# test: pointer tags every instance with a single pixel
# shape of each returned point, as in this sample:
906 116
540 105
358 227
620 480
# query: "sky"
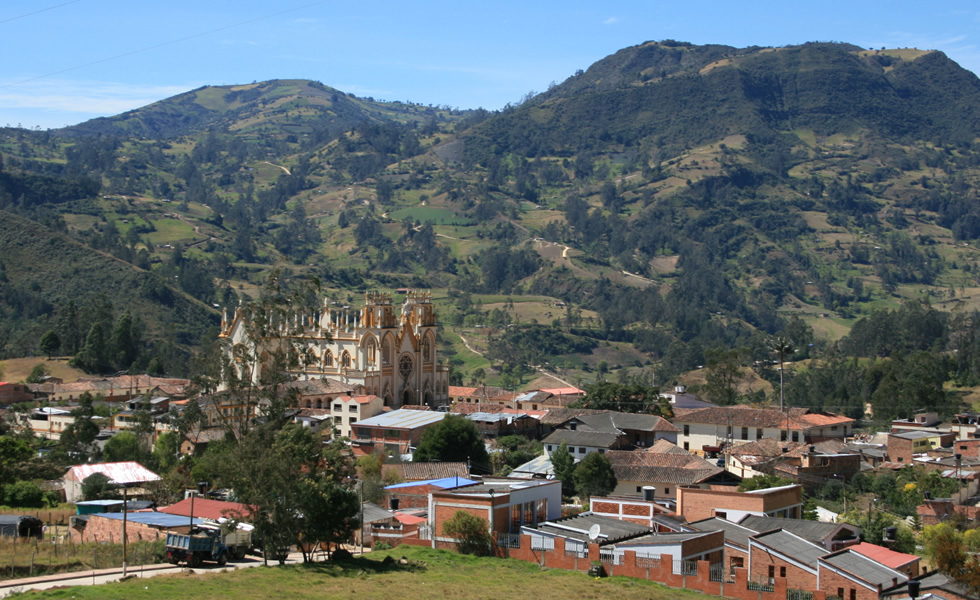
65 62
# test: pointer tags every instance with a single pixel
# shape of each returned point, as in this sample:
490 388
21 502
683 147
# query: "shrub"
472 533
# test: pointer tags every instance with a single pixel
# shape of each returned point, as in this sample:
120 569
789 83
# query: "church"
372 350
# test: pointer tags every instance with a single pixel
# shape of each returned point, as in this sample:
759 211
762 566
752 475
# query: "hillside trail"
535 367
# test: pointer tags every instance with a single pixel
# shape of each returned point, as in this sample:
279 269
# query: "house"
736 551
814 469
415 471
861 575
499 424
922 421
398 432
347 410
319 392
697 503
122 473
111 389
715 427
585 432
415 494
48 421
579 530
902 446
909 564
830 536
966 425
206 508
13 393
684 548
780 553
196 442
681 399
642 511
108 527
506 504
663 467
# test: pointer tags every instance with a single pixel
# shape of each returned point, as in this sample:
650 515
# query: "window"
338 407
346 360
352 408
337 419
758 433
352 420
667 490
721 514
327 359
581 450
550 448
745 433
840 592
796 436
833 428
639 489
687 430
687 446
782 436
729 432
900 459
782 571
372 352
853 594
772 572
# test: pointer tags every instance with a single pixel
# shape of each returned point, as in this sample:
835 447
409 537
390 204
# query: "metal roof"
120 473
154 519
444 483
864 568
403 419
577 528
791 546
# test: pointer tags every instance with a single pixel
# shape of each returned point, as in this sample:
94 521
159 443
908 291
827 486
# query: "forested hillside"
670 207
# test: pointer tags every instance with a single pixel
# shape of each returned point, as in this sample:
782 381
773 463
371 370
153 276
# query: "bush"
472 533
26 494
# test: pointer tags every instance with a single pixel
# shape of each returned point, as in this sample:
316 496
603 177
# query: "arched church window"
327 359
372 352
426 350
346 360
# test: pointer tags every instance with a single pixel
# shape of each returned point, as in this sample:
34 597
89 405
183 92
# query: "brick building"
726 502
140 526
398 432
506 504
780 553
415 494
853 575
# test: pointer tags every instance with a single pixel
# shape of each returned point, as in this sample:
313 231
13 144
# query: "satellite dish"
594 532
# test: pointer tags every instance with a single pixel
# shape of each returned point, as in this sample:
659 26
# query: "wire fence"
57 552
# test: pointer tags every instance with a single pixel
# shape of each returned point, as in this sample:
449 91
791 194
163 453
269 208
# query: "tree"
724 372
594 476
471 532
26 494
563 464
38 372
301 493
454 439
98 486
763 482
165 450
50 343
634 398
123 446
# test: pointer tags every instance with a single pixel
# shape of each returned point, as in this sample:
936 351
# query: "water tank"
649 493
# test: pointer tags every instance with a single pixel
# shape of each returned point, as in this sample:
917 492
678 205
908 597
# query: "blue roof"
444 483
156 519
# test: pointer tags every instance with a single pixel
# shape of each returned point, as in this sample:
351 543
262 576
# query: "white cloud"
77 97
611 21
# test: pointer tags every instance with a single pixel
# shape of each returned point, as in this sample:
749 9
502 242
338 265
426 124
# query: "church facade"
374 350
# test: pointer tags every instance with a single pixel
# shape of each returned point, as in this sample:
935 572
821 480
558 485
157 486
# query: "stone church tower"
380 353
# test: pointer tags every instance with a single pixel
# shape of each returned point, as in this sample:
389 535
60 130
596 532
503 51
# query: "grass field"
428 574
17 369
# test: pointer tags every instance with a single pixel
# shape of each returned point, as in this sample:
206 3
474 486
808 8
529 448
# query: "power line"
38 11
161 44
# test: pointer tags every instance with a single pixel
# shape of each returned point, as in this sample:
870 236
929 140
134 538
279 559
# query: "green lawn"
429 574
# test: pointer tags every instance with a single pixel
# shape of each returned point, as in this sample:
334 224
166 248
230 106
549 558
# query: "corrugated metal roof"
444 483
404 419
121 473
154 519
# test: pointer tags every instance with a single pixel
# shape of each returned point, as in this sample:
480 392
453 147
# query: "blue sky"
69 61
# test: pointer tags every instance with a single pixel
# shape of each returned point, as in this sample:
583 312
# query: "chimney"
649 493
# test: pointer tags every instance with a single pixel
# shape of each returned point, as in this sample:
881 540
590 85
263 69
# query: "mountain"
666 202
282 106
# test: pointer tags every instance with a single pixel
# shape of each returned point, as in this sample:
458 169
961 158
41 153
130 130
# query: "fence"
509 540
760 586
720 574
542 543
60 554
793 594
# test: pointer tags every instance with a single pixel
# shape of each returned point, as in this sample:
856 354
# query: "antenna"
594 532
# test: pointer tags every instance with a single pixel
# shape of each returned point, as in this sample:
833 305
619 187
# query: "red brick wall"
102 529
761 560
830 582
414 496
899 450
655 570
968 448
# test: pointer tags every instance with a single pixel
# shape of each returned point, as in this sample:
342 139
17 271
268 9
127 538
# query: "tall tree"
563 464
454 439
594 476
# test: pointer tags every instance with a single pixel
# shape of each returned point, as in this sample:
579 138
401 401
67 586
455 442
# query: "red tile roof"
884 556
206 508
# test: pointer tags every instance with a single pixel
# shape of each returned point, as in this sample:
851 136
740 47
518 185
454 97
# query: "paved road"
10 586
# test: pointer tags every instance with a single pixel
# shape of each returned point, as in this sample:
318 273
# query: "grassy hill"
432 573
